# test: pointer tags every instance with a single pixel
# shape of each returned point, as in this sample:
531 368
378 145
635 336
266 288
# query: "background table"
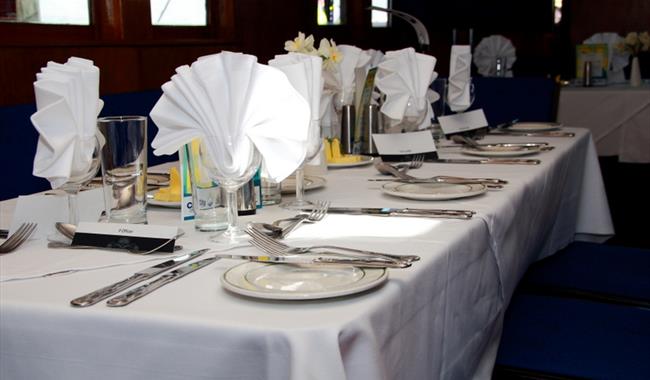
441 318
618 117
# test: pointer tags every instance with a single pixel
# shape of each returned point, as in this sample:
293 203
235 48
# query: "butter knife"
506 161
414 212
143 290
107 291
365 262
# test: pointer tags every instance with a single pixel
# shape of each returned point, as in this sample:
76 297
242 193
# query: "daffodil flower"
300 44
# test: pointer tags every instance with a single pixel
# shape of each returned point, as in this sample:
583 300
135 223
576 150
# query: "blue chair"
557 338
599 272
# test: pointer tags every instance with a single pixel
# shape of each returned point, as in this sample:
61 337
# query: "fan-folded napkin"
67 103
404 77
489 49
458 93
233 103
305 73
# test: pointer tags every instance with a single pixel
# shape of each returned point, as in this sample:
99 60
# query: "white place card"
462 122
49 209
395 144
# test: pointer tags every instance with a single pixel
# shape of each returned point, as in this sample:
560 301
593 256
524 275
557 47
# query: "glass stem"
231 205
73 218
300 184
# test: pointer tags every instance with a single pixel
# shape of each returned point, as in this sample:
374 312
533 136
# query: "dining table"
617 115
440 318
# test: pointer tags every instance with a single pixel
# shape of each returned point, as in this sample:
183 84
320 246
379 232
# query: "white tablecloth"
618 116
440 318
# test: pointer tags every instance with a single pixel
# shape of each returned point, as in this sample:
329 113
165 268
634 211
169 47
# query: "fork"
415 163
19 237
317 214
274 247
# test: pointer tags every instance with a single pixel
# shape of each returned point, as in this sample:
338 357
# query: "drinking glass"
232 169
85 166
314 145
124 167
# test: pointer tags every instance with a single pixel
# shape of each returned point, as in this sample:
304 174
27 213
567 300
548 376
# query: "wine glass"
314 145
232 169
84 168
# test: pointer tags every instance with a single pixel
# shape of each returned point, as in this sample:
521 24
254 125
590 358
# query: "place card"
46 209
403 146
463 122
130 237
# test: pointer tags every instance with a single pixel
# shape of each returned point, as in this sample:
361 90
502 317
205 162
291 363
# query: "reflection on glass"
66 12
329 12
178 12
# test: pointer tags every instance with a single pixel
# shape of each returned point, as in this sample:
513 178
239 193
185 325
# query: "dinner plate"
300 282
365 160
534 127
433 191
288 186
155 202
499 150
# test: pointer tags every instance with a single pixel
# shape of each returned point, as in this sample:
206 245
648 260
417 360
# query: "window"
330 12
380 19
178 12
557 11
63 12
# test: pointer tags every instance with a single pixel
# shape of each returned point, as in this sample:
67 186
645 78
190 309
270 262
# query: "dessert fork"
17 238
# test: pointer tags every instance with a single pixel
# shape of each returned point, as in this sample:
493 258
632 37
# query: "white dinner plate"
534 127
433 191
300 282
155 202
497 150
365 160
288 186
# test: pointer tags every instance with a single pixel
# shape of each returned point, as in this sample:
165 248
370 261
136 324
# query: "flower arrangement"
327 49
635 43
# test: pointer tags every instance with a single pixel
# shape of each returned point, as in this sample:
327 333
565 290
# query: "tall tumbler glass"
124 167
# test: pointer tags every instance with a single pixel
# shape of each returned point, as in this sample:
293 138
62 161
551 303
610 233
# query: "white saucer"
534 127
155 202
433 191
300 282
498 150
288 186
365 160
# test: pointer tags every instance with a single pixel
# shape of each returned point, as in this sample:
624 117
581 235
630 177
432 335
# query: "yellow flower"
330 53
632 38
300 44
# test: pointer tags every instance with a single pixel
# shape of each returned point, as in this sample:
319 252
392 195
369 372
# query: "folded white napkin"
458 93
305 72
339 84
489 49
618 59
67 103
232 102
404 77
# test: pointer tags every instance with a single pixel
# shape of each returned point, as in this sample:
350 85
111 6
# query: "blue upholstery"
575 338
597 271
523 98
18 140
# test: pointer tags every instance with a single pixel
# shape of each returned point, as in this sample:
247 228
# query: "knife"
509 161
365 262
144 289
534 134
415 212
107 291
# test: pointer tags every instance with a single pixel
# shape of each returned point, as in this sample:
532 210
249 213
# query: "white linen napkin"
489 49
618 59
237 102
458 93
404 77
305 72
67 103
